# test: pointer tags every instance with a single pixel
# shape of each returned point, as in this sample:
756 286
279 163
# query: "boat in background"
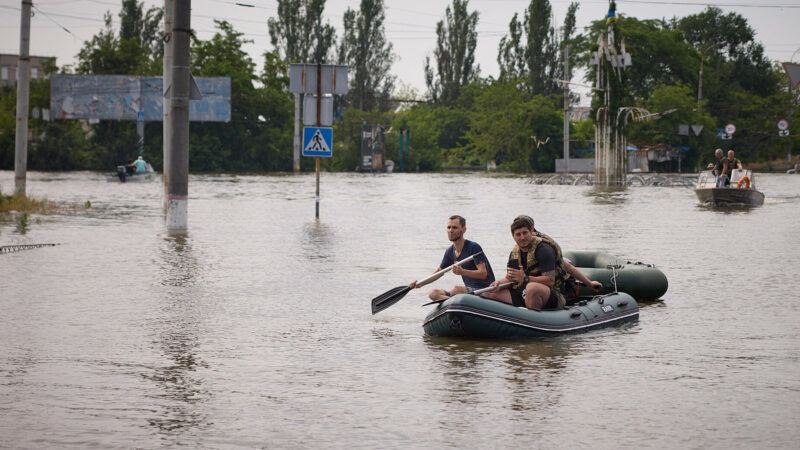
642 281
137 177
741 191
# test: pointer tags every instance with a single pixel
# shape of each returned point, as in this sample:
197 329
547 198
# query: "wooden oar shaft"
446 269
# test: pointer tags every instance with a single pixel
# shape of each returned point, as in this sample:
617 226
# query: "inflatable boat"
637 279
472 316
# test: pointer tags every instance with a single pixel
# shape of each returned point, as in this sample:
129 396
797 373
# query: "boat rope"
20 247
614 268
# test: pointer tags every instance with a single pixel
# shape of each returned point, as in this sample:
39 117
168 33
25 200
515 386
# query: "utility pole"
178 182
566 109
23 93
169 17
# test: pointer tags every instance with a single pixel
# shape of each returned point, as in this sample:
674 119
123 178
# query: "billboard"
131 97
373 148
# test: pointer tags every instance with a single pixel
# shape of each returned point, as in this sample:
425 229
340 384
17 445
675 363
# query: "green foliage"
533 52
665 129
507 124
298 34
437 135
454 54
347 138
511 52
365 49
261 122
541 53
658 53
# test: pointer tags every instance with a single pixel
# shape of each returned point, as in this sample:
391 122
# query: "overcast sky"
410 25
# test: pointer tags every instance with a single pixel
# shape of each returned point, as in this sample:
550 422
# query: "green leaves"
365 49
454 55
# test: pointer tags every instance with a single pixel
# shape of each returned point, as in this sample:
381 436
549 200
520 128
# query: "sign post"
314 81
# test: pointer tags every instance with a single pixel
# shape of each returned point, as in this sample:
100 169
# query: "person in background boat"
130 167
733 163
476 274
721 168
543 278
141 166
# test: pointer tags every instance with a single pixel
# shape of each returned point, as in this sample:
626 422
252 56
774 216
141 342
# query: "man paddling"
476 273
543 277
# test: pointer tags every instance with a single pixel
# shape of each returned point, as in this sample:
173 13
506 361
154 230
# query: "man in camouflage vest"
539 272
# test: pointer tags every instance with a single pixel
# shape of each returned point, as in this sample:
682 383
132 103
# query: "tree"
508 124
541 52
298 33
567 31
454 54
133 51
365 49
533 51
143 27
739 82
258 136
511 52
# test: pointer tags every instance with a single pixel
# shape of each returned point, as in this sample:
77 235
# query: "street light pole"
700 79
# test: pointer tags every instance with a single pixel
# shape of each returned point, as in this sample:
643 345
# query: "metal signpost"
318 82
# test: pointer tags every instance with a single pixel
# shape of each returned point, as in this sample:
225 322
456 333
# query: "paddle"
394 295
475 292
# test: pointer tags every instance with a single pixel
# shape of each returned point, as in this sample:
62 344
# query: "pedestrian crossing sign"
317 141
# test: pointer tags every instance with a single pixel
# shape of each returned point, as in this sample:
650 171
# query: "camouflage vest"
533 266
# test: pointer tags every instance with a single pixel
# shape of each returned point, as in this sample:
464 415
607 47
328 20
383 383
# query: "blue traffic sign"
317 141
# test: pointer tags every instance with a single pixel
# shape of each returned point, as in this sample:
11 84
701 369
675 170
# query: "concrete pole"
23 93
566 109
178 182
296 165
169 14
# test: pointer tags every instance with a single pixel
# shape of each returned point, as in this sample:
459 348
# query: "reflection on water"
179 267
318 240
530 370
608 195
728 209
176 330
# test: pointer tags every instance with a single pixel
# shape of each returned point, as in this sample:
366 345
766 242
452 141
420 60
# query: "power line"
726 5
53 20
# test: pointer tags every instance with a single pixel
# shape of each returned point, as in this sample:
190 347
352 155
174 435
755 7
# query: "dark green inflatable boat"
641 281
472 316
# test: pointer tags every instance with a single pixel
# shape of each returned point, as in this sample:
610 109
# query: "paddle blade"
389 298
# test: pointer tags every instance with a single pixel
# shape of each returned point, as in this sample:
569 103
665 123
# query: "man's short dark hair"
460 219
522 221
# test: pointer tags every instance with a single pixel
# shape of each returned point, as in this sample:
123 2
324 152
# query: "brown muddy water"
253 329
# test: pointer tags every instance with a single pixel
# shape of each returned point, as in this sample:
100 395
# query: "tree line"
464 118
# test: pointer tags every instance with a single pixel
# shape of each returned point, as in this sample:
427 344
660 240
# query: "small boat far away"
137 177
741 191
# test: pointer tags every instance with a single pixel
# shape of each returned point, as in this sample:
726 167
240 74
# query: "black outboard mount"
121 173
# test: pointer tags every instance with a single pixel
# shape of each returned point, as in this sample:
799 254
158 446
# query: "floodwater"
253 329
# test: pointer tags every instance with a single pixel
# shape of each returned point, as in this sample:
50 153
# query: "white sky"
410 25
